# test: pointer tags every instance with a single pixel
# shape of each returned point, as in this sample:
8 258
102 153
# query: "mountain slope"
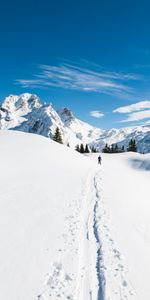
14 109
83 132
27 113
122 137
42 121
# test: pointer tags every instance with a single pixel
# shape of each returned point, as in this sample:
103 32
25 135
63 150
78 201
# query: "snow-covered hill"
69 228
40 199
27 113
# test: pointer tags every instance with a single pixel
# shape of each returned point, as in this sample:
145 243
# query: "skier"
99 159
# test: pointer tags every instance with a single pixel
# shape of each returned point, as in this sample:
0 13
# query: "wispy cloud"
137 116
141 66
133 107
89 78
96 114
135 112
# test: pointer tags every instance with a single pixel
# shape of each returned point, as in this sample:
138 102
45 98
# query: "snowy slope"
70 228
40 198
123 222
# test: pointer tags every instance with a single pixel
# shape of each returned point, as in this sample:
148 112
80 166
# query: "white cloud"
96 114
133 107
137 116
147 122
76 77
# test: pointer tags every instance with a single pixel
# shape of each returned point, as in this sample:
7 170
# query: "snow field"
40 187
70 228
124 225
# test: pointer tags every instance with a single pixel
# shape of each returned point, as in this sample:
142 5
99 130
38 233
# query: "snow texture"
70 228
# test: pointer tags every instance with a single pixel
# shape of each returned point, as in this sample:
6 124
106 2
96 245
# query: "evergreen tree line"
85 149
57 137
132 146
115 149
82 149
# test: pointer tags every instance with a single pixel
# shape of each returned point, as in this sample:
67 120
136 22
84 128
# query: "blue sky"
92 56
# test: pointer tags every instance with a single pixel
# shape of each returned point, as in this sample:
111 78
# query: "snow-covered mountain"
83 132
14 109
27 113
122 137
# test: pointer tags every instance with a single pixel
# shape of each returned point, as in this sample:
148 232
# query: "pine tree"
106 149
132 146
86 149
116 148
93 149
77 148
113 149
122 149
57 136
82 148
129 146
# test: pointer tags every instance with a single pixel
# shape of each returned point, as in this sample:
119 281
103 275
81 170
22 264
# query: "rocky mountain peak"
22 103
66 115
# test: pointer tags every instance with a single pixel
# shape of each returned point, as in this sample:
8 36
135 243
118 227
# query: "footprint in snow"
58 284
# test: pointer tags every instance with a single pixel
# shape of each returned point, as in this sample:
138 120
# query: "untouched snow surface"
123 222
69 228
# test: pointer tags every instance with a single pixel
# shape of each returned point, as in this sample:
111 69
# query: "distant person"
99 160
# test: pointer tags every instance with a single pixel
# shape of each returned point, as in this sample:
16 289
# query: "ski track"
114 270
101 271
90 281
